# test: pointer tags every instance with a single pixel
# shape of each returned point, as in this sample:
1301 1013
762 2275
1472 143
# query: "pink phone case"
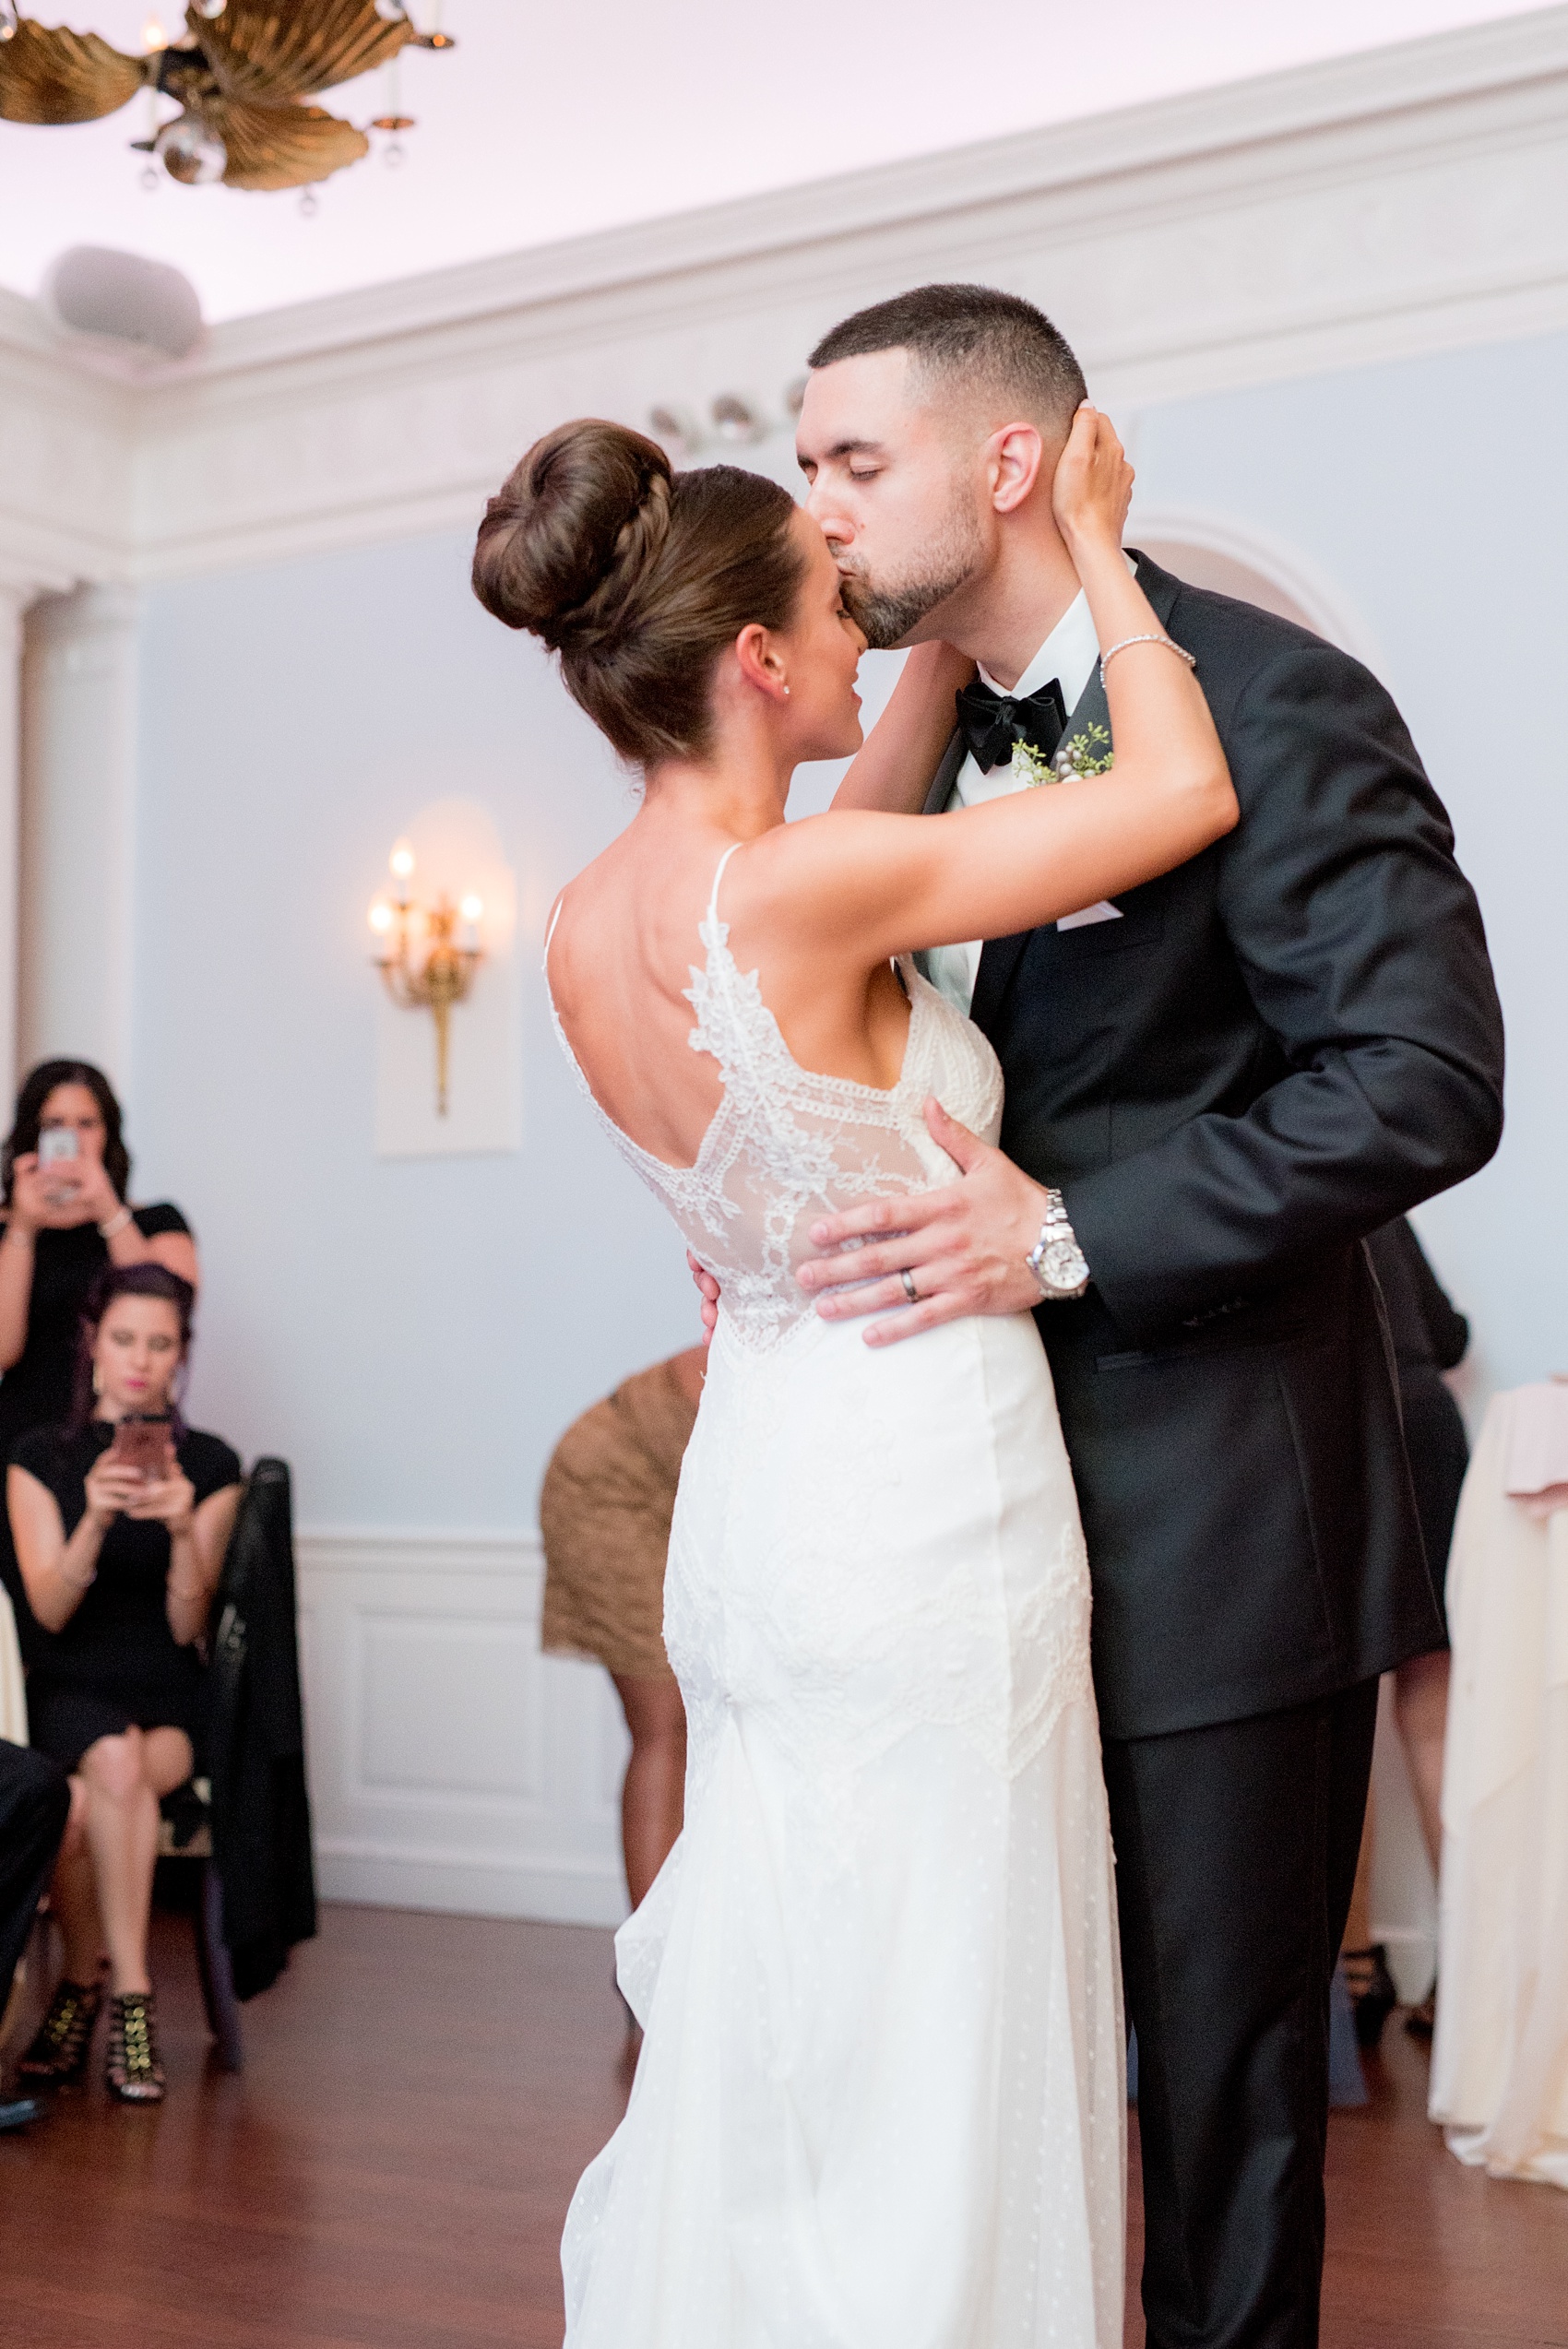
144 1444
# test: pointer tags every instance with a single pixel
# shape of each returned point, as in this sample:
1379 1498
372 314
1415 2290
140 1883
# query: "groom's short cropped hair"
973 335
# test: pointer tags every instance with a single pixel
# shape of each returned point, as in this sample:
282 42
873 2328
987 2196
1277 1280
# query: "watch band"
1056 1260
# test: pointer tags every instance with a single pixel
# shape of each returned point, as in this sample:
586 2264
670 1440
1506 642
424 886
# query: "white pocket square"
1104 911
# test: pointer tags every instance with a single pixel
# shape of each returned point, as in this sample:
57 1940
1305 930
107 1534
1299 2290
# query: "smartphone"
57 1142
144 1442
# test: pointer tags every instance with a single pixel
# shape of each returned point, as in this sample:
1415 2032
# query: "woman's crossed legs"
102 1885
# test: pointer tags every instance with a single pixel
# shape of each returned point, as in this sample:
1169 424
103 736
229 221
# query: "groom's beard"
886 609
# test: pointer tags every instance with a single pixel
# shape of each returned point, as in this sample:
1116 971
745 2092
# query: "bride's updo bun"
638 577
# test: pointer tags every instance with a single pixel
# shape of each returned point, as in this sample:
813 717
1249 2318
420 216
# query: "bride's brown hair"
638 577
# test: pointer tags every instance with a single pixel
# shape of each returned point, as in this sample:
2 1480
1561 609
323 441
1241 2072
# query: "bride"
880 2102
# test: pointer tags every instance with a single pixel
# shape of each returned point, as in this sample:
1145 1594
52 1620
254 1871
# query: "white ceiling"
548 121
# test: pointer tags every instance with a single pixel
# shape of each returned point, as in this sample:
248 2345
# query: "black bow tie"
991 722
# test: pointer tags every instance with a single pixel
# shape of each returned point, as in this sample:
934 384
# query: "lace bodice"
787 1145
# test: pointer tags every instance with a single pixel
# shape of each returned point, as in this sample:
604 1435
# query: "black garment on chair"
35 1803
261 1842
1276 1050
1430 1337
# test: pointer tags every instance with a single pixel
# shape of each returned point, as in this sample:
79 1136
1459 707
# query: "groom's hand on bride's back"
965 1247
707 1289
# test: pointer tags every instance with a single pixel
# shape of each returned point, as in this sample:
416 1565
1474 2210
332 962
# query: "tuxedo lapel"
940 791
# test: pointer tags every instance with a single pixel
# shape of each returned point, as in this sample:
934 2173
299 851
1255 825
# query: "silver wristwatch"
1056 1260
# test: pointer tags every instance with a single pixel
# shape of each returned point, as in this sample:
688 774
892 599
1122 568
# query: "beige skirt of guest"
604 1514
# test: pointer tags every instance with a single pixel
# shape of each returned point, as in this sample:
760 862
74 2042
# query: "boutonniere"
1086 753
1031 768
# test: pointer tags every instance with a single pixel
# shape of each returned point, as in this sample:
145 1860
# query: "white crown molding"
1380 85
67 454
1381 206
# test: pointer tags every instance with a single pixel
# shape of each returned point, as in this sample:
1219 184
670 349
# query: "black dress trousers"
1235 1855
35 1803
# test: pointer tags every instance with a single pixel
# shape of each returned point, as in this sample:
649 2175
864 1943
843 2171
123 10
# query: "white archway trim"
1325 602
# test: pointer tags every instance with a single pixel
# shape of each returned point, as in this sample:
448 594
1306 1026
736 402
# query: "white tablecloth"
1500 2060
13 1694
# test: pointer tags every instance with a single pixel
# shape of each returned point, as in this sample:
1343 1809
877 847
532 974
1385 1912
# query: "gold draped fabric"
604 1513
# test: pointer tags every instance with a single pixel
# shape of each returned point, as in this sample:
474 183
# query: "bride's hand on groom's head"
1093 484
963 1247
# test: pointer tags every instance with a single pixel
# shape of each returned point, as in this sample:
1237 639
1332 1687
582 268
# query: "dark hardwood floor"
392 2169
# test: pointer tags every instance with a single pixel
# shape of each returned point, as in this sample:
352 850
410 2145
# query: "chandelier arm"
49 75
267 55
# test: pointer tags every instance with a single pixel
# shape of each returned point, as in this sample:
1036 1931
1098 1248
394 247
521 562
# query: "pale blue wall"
410 1333
413 1334
1434 494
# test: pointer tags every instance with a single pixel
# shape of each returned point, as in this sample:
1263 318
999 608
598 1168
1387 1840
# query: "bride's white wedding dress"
880 2104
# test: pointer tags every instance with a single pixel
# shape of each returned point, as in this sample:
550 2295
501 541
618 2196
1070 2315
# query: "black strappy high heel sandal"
131 2070
64 2039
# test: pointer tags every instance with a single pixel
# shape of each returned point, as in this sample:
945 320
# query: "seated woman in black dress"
63 1220
120 1567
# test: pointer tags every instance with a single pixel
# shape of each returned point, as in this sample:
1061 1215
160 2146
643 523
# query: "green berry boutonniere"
1086 753
1031 768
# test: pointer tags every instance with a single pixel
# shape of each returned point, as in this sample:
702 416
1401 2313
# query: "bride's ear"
759 661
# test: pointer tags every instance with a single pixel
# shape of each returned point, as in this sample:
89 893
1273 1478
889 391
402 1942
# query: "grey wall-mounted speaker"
118 297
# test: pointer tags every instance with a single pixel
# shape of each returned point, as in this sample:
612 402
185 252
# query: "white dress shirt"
1068 654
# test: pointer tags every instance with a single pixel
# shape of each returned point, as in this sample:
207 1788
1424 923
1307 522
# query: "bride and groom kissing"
1025 1115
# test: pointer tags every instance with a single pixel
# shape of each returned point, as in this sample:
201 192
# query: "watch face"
1062 1263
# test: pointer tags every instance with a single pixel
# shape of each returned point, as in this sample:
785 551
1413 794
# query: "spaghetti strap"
549 934
712 914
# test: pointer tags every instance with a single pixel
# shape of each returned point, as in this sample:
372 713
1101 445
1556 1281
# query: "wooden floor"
421 2091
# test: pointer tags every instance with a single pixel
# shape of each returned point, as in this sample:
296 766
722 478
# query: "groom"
1217 1086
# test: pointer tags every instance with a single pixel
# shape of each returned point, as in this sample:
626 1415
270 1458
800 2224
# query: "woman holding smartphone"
119 1519
65 1172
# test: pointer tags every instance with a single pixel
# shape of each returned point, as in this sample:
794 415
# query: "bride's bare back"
620 966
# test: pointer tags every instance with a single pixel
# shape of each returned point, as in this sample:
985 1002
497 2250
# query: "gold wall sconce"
427 955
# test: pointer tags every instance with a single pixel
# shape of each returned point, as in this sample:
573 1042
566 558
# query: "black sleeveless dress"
115 1664
36 1391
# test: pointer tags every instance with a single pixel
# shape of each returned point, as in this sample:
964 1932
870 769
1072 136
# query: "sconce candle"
442 977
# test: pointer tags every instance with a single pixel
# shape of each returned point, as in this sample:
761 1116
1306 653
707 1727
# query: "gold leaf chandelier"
241 75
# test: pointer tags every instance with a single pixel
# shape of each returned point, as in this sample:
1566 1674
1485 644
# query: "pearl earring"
786 693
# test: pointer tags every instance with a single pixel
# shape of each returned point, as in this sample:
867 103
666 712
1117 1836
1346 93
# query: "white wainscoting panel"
452 1766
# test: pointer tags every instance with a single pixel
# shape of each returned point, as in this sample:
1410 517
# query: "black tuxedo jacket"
1277 1049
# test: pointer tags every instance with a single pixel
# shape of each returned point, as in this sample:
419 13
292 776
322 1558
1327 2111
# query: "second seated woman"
120 1567
879 2098
65 1219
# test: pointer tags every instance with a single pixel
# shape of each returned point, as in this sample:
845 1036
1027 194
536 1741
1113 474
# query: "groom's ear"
1017 458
